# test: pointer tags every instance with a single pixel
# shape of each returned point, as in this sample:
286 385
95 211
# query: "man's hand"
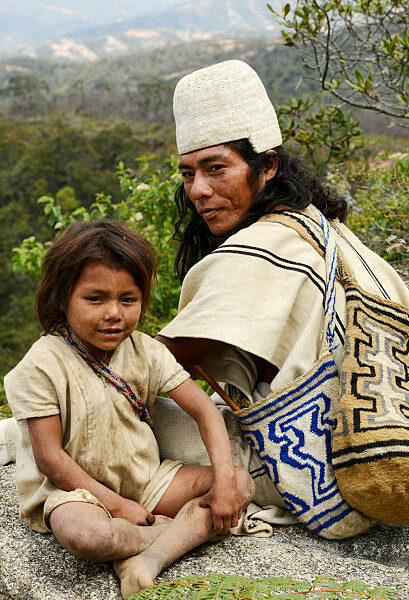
133 512
225 504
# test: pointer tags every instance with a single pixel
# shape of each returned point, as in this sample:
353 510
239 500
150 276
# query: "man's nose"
200 187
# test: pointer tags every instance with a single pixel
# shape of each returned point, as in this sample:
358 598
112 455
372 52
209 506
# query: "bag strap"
321 236
103 370
293 218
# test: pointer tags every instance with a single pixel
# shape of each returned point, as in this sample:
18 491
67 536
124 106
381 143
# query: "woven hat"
222 103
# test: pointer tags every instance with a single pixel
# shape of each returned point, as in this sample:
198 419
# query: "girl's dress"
102 431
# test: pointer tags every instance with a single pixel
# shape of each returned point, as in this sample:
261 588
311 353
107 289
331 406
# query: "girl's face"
104 307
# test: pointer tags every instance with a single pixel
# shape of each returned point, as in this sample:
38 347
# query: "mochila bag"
370 439
291 430
370 442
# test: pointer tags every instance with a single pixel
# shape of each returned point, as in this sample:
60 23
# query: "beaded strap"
102 369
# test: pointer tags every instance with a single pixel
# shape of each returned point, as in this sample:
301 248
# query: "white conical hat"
222 103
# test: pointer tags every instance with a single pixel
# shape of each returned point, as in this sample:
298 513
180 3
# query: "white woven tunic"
261 292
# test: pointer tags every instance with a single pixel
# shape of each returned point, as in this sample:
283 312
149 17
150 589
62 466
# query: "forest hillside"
70 134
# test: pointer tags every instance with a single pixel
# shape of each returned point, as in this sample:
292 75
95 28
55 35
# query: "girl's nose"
112 311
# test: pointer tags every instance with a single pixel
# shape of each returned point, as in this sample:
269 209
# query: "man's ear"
271 169
273 165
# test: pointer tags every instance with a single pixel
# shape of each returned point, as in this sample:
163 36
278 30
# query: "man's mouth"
208 213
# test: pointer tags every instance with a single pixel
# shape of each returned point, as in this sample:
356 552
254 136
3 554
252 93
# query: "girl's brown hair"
105 241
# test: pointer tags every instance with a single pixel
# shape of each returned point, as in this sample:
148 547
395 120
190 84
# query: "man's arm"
52 460
190 352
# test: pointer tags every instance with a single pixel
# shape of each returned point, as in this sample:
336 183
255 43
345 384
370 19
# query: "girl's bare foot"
135 574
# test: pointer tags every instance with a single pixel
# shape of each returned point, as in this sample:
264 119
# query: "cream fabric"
7 441
261 293
221 103
149 499
102 431
267 508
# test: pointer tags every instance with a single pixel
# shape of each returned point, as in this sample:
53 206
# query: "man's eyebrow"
204 161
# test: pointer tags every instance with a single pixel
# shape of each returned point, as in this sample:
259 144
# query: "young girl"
88 465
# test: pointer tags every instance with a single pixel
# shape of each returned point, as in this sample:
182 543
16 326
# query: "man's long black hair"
293 186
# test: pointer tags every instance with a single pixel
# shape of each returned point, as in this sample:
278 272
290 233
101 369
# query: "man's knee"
245 485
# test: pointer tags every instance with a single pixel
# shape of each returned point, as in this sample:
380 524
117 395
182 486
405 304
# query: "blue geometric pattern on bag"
294 432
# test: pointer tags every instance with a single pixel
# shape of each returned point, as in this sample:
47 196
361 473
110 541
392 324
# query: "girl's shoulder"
146 347
45 354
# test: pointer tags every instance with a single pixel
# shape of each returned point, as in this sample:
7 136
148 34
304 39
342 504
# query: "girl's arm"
223 497
52 460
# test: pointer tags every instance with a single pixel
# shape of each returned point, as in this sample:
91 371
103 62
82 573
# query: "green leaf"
286 9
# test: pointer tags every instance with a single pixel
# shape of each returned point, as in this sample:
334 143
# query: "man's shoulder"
270 234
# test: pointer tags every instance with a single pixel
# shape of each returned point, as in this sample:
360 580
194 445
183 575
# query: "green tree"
28 93
358 50
322 135
147 206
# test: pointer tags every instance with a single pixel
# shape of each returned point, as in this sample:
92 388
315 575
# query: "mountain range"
85 31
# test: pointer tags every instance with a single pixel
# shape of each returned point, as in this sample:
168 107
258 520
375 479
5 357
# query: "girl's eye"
129 300
93 298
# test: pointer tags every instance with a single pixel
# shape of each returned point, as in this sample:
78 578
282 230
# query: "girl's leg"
192 526
86 531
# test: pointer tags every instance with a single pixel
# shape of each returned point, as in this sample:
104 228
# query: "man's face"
217 182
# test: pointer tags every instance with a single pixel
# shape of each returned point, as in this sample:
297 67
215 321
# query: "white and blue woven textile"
291 429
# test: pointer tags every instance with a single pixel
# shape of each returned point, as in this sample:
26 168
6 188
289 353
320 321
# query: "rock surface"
35 567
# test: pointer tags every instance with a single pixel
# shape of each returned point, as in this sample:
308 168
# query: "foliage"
5 411
233 587
69 160
377 191
358 50
321 135
148 207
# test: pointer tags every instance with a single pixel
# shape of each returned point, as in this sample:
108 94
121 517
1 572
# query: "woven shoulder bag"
291 430
370 439
370 443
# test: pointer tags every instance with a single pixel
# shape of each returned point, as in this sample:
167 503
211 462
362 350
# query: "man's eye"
187 174
215 168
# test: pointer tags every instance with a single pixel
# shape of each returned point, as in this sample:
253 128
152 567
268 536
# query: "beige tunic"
261 292
102 431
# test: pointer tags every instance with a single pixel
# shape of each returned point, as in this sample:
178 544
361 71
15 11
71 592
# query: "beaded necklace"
102 369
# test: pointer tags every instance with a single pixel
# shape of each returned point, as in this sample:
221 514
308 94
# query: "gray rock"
36 567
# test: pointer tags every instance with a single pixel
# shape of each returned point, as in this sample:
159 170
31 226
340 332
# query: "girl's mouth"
110 331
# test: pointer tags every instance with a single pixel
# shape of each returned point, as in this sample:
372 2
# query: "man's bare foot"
135 574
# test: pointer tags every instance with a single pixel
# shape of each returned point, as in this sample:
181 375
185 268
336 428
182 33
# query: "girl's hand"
133 512
225 504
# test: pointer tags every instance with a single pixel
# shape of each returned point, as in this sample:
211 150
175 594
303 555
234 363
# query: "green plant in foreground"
234 587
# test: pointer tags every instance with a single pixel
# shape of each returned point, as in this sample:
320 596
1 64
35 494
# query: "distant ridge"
182 22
